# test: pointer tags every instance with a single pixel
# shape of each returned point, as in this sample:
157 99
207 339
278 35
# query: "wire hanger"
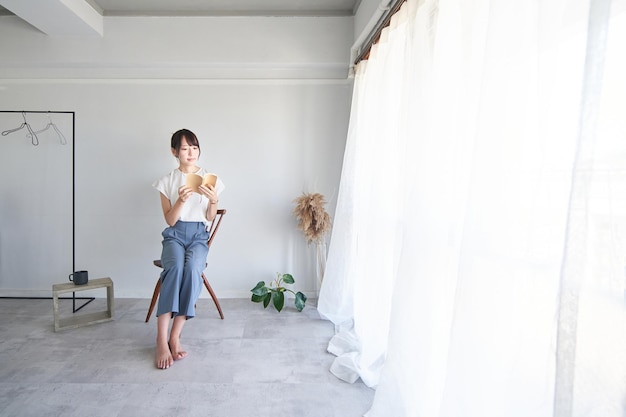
56 129
33 136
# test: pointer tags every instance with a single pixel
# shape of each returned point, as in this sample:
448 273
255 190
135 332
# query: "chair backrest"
215 224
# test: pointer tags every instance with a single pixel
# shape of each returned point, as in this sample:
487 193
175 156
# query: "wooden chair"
215 225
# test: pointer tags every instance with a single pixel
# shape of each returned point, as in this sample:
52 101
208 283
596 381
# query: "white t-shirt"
194 209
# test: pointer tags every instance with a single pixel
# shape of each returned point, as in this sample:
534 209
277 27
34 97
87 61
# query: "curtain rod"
374 36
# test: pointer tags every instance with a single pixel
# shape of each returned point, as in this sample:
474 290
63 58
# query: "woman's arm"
210 193
172 212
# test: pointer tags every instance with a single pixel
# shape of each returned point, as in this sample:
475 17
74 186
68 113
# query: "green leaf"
266 299
288 278
256 298
258 285
260 289
300 300
279 300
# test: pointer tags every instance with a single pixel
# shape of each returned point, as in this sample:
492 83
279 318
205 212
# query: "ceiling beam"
58 17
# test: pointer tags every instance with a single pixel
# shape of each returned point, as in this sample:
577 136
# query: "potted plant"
275 292
315 223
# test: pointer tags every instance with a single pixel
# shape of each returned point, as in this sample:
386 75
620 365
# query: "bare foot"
164 357
176 350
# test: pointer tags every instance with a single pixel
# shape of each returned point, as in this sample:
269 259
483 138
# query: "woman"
188 214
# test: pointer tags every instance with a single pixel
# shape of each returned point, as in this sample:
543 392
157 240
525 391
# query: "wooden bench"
82 319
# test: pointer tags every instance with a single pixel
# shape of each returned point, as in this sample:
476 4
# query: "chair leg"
155 295
213 296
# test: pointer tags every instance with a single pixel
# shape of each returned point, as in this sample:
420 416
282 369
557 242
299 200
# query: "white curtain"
477 264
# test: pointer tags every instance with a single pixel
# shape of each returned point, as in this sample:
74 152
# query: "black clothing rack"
35 142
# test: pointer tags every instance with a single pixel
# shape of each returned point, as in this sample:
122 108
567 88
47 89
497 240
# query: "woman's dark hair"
177 139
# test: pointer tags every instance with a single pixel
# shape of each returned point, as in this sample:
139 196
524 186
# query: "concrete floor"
255 362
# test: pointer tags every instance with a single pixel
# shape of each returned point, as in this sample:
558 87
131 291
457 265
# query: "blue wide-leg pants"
184 258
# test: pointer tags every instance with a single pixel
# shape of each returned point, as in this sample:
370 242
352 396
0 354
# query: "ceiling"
86 17
218 7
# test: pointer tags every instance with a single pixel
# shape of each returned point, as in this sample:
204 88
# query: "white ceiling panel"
216 7
225 7
58 17
84 17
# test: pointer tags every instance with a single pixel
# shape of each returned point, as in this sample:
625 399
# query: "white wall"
179 47
268 98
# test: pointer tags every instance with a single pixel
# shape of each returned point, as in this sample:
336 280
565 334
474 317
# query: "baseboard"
38 293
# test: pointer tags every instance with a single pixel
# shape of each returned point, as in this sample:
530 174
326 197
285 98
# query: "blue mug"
80 277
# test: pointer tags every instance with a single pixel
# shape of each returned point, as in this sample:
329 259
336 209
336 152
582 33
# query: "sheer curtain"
477 261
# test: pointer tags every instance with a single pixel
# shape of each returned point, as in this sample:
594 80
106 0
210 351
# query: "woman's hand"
209 192
184 193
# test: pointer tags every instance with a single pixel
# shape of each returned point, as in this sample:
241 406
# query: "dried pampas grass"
313 220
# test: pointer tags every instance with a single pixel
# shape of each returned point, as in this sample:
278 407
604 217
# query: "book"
193 181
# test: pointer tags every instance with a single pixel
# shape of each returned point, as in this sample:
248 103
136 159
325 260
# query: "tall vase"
321 263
